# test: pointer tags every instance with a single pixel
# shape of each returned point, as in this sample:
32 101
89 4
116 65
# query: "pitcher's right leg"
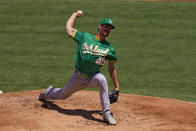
74 84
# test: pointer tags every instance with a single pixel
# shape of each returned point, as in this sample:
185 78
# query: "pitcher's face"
105 29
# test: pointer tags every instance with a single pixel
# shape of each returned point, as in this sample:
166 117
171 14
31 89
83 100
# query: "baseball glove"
113 96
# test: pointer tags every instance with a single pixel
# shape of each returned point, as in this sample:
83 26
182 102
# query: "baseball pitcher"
91 53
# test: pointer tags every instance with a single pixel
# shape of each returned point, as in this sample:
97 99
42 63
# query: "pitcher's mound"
82 112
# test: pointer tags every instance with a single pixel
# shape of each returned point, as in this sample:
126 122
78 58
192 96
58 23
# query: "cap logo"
110 21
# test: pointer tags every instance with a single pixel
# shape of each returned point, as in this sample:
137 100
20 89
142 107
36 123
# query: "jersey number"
100 61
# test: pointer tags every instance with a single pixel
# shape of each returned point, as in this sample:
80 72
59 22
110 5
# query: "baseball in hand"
80 12
1 92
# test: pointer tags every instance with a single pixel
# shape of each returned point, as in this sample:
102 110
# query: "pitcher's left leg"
99 81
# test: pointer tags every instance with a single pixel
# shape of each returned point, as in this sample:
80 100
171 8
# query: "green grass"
155 43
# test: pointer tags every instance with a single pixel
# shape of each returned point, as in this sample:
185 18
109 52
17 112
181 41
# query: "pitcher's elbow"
68 31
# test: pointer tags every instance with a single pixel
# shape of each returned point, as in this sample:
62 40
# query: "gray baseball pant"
77 82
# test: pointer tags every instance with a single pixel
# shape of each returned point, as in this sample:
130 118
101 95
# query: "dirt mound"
82 112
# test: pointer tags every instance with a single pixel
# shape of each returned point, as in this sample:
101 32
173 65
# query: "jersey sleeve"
78 36
112 57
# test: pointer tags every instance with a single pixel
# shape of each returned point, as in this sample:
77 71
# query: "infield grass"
155 43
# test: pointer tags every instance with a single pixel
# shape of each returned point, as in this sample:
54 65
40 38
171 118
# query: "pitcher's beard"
104 34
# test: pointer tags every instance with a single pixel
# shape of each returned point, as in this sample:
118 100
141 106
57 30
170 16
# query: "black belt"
82 74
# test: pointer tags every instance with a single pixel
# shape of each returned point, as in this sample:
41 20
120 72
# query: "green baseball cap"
107 21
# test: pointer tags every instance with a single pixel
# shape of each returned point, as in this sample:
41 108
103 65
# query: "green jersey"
91 53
